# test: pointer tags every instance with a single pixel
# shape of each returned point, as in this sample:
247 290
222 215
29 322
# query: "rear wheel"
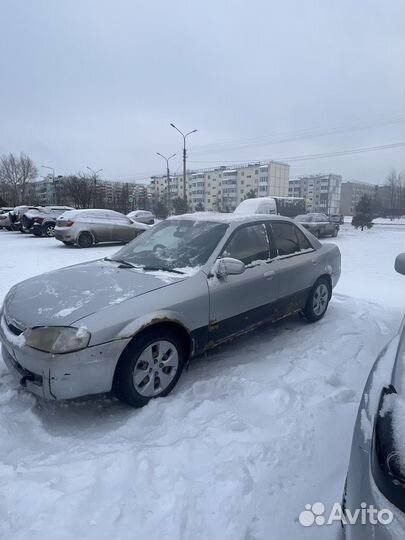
149 368
318 300
335 232
49 230
85 240
318 233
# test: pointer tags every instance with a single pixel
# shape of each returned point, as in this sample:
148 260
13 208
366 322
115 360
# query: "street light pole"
184 135
95 173
53 181
168 177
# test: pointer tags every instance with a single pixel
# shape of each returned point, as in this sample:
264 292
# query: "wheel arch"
328 277
158 323
85 231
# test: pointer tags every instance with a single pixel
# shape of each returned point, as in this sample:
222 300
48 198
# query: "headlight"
386 459
57 339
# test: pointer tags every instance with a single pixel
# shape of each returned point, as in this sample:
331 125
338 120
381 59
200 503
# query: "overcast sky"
96 83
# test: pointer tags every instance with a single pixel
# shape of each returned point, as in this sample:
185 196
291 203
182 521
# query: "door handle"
269 274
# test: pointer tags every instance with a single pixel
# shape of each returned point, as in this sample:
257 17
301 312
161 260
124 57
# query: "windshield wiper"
164 268
125 263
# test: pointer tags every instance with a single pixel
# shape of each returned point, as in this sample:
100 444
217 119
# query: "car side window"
302 240
287 239
249 244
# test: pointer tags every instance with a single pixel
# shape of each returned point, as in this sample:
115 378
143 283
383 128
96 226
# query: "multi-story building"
122 196
352 192
320 191
223 188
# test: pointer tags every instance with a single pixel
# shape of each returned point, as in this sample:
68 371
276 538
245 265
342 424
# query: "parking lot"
266 420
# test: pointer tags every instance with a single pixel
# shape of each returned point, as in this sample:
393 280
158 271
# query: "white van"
283 206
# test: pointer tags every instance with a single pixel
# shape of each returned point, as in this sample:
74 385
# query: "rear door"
100 225
238 302
296 265
123 230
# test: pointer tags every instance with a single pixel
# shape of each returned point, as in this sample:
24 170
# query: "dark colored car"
16 217
318 224
337 218
41 221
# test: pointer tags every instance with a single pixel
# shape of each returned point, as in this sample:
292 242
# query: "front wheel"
318 300
149 368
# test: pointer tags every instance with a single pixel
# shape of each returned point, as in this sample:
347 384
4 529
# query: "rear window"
289 239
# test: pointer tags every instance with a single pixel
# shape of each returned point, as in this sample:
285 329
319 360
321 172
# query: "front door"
238 302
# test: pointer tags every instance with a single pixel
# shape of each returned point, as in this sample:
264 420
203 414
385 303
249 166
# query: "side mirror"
400 264
227 266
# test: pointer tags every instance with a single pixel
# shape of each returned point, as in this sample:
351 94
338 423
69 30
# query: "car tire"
335 232
85 240
318 233
130 386
49 230
68 243
37 232
8 229
318 300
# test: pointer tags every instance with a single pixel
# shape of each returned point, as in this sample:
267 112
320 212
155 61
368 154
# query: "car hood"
64 296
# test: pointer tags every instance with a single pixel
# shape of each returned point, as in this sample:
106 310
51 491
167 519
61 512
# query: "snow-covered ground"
249 436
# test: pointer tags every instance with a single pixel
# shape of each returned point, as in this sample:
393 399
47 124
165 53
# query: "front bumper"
62 376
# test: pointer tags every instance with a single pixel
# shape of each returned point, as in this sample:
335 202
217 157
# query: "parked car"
142 216
16 216
376 474
318 224
5 218
337 218
87 227
41 220
129 323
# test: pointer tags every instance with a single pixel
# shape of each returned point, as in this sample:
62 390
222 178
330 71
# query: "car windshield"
304 218
173 244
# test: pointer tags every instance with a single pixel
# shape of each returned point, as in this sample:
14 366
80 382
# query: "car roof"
229 217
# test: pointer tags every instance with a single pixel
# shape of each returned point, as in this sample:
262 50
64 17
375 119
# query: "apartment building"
321 191
123 196
223 188
351 194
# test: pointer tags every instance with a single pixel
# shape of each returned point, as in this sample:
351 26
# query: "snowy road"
249 436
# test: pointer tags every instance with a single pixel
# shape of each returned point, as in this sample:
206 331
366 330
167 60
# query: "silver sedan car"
142 216
376 475
88 227
129 323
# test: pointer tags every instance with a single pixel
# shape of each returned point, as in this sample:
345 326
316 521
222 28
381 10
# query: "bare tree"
15 174
393 183
77 190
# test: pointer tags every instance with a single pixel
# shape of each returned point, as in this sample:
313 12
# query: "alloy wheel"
320 299
155 368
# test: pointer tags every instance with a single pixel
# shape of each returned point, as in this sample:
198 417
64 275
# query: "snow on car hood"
63 296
